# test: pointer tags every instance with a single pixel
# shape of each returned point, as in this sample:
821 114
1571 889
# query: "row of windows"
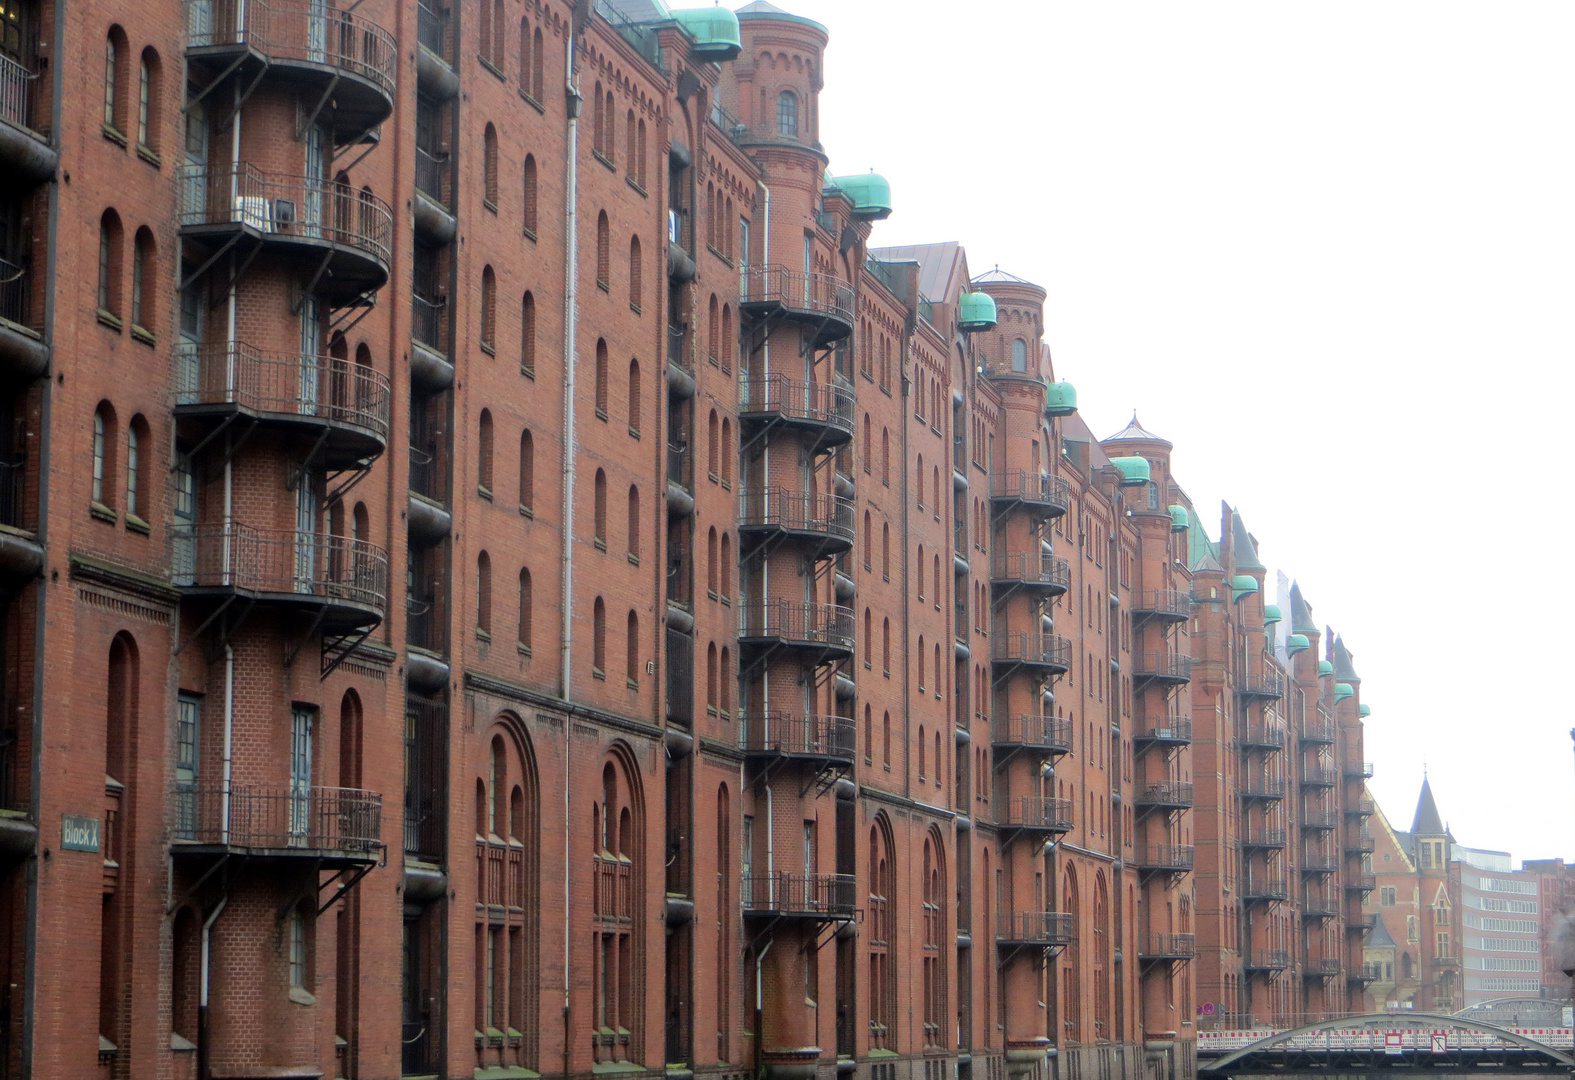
604 136
1507 885
107 473
119 123
1503 963
111 295
1504 944
492 49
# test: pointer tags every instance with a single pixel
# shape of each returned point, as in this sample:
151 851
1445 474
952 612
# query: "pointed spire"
1427 822
1135 430
1342 662
1245 548
1301 613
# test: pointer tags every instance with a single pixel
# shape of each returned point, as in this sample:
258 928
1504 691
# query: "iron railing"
1263 838
426 773
1319 776
1268 684
1164 793
16 294
298 207
1361 845
960 538
1166 857
678 466
1361 883
1264 886
1167 666
1264 737
1371 973
1052 733
1036 812
1003 366
1165 603
1320 863
675 347
641 37
1267 960
784 892
428 322
1324 965
797 734
1032 647
814 294
432 173
1021 485
1035 927
817 402
1317 729
1319 818
1033 567
305 564
1169 729
432 30
16 94
300 30
828 624
426 478
1362 807
727 123
1358 770
680 677
296 384
13 494
290 816
1168 947
1320 902
1262 787
797 511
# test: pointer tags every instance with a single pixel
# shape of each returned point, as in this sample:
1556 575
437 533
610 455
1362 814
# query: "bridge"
1385 1042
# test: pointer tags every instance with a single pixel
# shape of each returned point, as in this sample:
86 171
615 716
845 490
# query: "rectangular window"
188 711
300 773
297 951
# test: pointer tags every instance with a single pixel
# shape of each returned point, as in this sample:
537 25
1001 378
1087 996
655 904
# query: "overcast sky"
1326 250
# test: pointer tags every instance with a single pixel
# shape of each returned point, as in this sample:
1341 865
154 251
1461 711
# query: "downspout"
204 1036
759 1010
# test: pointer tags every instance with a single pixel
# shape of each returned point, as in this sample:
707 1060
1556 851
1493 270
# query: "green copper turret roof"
1202 553
1325 668
1060 399
1364 710
1296 643
976 311
1343 690
1246 551
1133 470
1179 518
715 30
1243 585
1271 613
870 193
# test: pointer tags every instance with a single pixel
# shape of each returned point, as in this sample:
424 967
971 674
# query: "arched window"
869 723
489 310
104 465
885 736
933 908
528 335
634 273
885 647
629 149
600 534
527 613
868 536
787 114
529 201
598 118
727 452
864 454
713 446
714 328
527 474
921 689
603 251
729 340
634 524
881 937
885 550
484 454
136 472
601 379
727 568
712 662
525 56
713 564
117 81
484 594
639 148
631 663
634 398
537 68
599 639
109 264
921 728
143 274
919 578
508 874
1019 354
885 457
148 85
489 167
617 992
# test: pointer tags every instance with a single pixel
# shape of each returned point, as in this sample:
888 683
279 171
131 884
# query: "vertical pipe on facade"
204 1036
229 740
570 298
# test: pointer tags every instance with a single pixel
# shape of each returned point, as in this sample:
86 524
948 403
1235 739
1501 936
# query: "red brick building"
849 723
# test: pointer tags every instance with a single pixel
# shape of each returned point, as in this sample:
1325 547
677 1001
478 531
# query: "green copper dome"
1343 690
1178 519
1296 643
1133 470
1060 399
870 192
975 311
1271 613
1325 668
1242 585
715 30
1364 711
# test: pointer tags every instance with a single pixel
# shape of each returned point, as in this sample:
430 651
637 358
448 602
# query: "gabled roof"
1378 937
943 267
1135 430
1427 822
1244 548
1402 839
1202 553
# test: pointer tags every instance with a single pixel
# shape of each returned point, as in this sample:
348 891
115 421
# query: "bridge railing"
1389 1033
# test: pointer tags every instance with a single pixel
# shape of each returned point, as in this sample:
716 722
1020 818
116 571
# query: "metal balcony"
336 825
1036 571
1003 367
1045 734
1047 654
1321 967
1164 730
1167 669
1020 929
812 897
433 209
1263 838
344 580
819 302
314 50
24 354
338 235
1358 770
1166 858
1035 813
1263 886
1319 819
680 481
1263 737
1319 776
1169 605
822 631
1157 947
1163 795
1045 494
1361 883
1362 807
821 410
1360 845
1319 864
825 739
1317 731
341 404
1262 787
1269 685
1320 903
826 521
1361 923
1267 960
1368 973
24 124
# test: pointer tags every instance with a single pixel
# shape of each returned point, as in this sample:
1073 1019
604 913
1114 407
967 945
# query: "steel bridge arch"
1545 1004
1379 1020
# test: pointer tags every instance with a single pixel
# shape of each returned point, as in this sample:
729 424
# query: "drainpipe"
204 1035
229 739
759 1011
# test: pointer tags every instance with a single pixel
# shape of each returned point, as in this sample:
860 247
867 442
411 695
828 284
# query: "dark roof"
1135 430
1378 937
942 267
1427 822
1301 613
1342 662
1243 547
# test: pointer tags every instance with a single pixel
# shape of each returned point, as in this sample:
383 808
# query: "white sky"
1325 249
